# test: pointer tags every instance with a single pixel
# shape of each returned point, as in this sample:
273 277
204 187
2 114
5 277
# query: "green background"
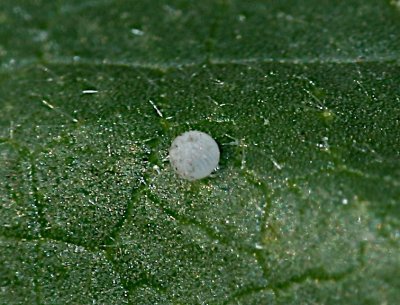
303 98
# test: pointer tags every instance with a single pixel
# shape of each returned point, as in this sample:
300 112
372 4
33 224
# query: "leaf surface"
303 99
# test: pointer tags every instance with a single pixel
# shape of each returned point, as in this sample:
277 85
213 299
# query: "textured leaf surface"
303 98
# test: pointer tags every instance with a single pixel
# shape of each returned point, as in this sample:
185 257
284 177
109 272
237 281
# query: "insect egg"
194 155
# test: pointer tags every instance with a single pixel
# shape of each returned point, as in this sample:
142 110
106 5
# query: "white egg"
194 155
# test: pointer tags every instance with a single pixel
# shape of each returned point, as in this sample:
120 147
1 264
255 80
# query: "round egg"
194 155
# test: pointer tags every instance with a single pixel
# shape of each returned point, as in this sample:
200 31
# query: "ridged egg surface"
194 155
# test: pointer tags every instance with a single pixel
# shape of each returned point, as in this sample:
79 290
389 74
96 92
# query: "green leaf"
303 98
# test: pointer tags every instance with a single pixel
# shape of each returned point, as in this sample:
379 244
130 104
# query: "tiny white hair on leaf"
194 155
